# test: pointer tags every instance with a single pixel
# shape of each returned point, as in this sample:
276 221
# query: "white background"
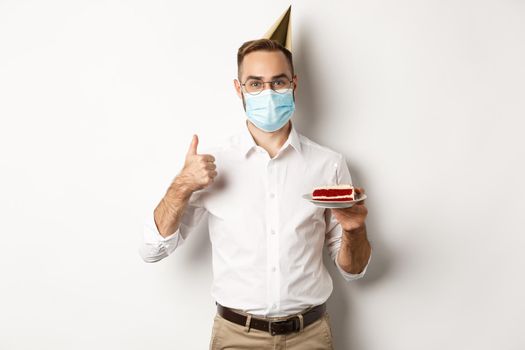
98 103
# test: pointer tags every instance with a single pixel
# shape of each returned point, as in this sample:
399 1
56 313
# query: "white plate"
334 204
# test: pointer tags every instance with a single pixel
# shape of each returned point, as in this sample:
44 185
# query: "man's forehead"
265 65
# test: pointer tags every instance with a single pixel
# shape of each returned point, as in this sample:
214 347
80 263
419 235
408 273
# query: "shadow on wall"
345 335
307 100
198 252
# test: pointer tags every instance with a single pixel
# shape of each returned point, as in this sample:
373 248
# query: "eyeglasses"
255 86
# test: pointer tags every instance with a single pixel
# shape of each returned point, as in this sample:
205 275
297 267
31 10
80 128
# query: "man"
270 283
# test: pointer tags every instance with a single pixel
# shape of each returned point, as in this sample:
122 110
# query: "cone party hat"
281 30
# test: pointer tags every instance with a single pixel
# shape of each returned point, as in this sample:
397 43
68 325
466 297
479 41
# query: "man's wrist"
355 234
355 250
180 188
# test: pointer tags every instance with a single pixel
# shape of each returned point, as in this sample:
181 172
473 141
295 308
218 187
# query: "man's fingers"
210 166
359 191
193 146
208 157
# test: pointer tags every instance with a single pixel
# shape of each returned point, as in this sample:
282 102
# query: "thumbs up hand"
199 169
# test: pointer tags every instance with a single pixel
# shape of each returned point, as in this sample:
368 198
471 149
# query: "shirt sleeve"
154 246
334 231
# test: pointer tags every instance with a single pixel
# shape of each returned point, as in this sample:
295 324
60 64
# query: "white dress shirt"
267 240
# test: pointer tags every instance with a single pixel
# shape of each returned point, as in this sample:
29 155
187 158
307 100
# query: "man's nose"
269 84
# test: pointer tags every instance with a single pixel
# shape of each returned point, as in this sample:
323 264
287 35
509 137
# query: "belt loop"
248 322
301 322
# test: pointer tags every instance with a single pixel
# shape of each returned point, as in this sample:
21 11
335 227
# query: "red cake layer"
333 192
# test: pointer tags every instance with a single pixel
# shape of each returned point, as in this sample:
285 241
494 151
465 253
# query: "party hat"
281 30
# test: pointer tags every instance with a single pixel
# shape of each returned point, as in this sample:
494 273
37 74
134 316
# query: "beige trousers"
231 336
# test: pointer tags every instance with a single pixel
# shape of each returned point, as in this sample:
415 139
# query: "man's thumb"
193 146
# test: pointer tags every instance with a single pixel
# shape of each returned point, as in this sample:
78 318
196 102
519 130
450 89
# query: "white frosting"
334 187
350 196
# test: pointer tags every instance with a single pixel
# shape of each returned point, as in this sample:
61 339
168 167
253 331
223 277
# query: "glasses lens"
254 86
281 85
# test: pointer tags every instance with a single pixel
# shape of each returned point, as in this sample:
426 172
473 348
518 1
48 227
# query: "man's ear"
237 87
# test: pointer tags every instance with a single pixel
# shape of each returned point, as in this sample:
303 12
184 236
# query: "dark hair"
261 45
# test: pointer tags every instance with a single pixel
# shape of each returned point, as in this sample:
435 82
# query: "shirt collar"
247 142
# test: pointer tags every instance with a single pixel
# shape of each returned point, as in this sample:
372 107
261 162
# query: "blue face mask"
269 110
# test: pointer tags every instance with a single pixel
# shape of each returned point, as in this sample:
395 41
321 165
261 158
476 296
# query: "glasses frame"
243 87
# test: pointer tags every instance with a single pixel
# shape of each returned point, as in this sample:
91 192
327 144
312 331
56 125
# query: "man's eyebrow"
282 75
253 77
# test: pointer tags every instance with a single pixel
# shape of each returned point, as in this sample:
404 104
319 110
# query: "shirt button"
273 269
273 232
272 195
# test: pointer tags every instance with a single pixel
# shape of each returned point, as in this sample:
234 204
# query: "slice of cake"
334 193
